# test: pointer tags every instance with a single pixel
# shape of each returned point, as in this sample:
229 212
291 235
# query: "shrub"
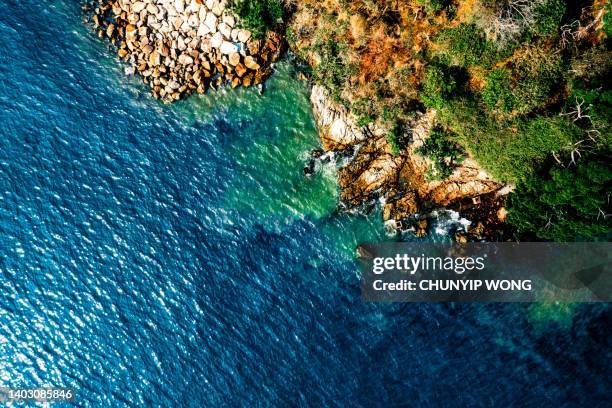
508 21
363 110
607 21
333 68
466 45
539 74
566 204
595 101
258 16
510 150
433 6
444 153
365 120
497 93
438 86
548 16
395 136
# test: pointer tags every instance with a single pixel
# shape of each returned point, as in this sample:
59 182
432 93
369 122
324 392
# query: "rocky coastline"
399 181
179 47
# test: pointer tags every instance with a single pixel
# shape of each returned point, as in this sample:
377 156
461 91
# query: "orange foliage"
381 53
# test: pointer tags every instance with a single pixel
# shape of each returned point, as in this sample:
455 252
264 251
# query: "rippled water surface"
177 256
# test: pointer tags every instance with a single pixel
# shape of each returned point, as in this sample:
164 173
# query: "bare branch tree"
510 20
578 112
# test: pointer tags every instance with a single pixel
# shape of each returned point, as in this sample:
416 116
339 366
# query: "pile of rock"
182 46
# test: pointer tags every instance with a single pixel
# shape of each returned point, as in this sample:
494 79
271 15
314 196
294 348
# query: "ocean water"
155 255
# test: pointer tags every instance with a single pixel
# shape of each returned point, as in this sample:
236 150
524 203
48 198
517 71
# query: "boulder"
225 30
234 58
152 9
154 58
193 20
194 43
251 63
110 30
203 30
253 47
229 20
211 21
179 5
197 77
138 6
177 22
181 46
202 13
218 8
244 36
185 59
228 48
206 47
216 40
248 79
240 70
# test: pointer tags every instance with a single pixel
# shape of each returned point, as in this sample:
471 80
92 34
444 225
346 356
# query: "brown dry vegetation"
379 42
373 55
509 80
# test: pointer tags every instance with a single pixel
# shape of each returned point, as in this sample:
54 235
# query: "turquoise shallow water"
157 255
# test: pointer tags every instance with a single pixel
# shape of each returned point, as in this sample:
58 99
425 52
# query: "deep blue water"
157 255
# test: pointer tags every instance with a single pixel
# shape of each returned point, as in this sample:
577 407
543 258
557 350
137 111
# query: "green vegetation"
536 79
258 16
566 204
394 137
548 17
333 67
607 20
332 70
497 93
534 111
444 154
434 6
466 45
539 73
520 86
438 86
